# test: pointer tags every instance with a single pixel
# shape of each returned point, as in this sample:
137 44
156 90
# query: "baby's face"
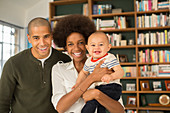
98 45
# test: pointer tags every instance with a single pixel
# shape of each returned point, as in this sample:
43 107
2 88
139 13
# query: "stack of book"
102 9
164 70
164 5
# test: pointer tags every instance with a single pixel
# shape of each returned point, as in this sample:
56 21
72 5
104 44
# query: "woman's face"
75 45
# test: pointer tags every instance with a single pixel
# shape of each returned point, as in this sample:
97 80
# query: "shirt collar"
70 65
92 60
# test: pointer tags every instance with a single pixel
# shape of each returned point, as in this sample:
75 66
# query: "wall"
41 9
12 13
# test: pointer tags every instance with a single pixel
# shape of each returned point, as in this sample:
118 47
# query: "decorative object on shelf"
167 85
164 99
119 10
131 101
143 100
131 42
123 42
130 87
123 58
128 74
157 86
144 85
134 58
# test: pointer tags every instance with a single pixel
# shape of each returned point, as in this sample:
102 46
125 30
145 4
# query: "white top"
64 76
110 62
43 60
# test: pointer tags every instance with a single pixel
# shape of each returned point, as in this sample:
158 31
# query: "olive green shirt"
25 87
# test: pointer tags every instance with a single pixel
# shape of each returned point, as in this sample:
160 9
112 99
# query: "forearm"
82 76
111 105
69 99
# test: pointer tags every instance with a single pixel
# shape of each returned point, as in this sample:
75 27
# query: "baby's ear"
109 47
87 47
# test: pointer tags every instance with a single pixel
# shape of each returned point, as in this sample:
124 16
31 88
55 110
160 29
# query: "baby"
98 47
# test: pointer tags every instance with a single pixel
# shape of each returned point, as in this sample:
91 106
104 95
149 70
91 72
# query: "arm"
81 77
117 74
7 86
111 105
68 99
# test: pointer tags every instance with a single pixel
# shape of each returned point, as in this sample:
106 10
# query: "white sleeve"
58 88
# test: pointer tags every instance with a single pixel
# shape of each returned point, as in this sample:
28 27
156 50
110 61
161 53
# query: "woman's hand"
99 72
90 94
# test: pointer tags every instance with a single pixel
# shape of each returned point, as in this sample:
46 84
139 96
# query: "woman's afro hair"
72 23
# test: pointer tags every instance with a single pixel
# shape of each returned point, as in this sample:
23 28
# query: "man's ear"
29 38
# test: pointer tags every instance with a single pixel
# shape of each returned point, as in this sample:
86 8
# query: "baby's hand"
106 78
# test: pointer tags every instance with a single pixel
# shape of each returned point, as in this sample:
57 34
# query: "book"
164 70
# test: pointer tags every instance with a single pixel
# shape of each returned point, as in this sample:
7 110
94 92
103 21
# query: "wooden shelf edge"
155 11
114 14
154 108
67 2
153 28
154 92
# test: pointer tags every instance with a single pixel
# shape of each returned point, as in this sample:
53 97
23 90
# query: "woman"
72 32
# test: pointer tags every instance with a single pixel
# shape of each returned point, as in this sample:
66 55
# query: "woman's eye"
81 42
69 44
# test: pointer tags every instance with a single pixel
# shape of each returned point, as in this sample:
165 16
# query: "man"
25 84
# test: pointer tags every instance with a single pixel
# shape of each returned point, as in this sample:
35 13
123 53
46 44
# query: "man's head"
40 36
98 45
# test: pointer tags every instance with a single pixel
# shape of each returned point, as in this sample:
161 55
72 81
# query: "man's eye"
46 36
35 38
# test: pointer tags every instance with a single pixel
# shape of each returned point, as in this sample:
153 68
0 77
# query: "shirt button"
44 82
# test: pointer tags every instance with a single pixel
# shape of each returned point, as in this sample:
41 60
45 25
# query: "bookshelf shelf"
153 28
154 108
127 63
129 78
123 47
119 30
114 14
156 63
155 45
153 77
154 92
131 32
129 92
150 12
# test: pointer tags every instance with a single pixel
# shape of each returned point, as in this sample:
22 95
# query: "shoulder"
20 56
60 65
59 56
88 61
110 57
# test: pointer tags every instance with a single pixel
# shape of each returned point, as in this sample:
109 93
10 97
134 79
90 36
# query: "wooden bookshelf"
129 11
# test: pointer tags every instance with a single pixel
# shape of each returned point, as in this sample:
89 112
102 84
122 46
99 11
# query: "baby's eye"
92 45
100 44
